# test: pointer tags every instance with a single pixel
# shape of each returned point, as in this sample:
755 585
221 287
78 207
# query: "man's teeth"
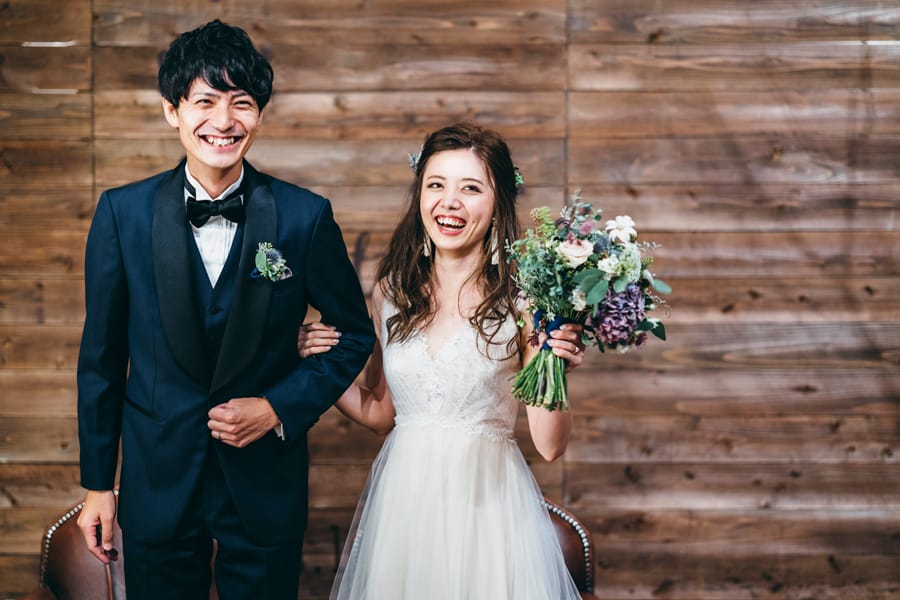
221 141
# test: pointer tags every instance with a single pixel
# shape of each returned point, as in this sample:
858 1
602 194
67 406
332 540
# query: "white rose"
575 252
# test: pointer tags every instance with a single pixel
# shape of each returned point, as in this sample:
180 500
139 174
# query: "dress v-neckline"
448 342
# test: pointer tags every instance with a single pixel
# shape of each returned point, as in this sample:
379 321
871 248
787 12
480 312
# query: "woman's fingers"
316 338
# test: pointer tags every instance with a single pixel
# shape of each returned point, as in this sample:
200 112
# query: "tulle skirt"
455 514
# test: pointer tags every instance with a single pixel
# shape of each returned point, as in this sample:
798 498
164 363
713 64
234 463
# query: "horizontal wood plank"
39 165
733 66
776 392
45 486
35 301
45 69
748 161
712 22
18 574
762 206
38 440
321 68
299 116
847 113
44 22
675 576
847 439
785 300
342 22
45 116
37 393
801 489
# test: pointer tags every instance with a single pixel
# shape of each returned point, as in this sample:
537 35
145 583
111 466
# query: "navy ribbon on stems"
551 326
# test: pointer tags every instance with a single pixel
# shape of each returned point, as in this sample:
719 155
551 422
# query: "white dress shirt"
214 239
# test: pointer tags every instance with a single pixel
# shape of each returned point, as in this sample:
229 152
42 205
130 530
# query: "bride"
451 510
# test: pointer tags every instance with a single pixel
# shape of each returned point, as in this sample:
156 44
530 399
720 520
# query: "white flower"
579 299
575 252
621 229
609 265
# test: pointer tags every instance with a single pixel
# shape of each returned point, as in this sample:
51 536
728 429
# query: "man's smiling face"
216 129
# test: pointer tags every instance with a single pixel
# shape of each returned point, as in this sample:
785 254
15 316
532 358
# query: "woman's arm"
368 403
550 429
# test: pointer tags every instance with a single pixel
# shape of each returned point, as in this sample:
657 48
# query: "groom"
197 280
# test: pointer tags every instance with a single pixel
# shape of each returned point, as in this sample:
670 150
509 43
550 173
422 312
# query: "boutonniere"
270 264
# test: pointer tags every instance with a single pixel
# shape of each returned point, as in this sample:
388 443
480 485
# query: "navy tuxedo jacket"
145 376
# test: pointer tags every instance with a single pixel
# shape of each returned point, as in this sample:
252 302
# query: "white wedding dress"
451 510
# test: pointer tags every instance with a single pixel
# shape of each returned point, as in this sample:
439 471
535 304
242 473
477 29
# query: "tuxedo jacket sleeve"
333 288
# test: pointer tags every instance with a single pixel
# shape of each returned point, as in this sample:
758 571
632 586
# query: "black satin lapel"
243 332
175 293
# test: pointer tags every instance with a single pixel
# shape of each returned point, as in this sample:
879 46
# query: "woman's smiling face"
457 202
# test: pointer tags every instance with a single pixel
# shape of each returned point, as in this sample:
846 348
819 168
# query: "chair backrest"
69 569
71 572
577 545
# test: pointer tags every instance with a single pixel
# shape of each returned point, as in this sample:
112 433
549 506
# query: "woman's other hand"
566 343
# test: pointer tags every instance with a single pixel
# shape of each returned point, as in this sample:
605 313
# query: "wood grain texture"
760 206
342 22
712 22
751 456
733 66
26 116
45 69
845 113
45 22
355 67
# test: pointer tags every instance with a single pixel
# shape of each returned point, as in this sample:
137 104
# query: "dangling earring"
426 247
495 246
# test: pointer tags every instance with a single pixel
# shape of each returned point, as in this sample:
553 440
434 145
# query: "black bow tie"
231 207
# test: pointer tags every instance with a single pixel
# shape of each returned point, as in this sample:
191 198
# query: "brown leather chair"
68 571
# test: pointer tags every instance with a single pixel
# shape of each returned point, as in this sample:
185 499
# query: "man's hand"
241 421
99 511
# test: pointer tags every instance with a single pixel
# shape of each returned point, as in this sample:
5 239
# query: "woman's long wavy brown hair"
405 273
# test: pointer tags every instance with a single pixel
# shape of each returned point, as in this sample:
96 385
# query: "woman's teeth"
450 222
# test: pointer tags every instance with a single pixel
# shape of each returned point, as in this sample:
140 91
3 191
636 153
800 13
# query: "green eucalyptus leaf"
598 292
261 261
661 286
620 284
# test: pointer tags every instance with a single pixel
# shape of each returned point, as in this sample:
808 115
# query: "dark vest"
215 302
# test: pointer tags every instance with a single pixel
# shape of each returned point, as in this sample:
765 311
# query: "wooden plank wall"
753 455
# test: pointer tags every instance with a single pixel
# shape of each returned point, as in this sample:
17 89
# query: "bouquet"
576 270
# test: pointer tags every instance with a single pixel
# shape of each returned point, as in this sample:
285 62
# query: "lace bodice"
458 386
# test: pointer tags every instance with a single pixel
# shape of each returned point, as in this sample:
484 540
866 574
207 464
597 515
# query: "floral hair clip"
520 181
414 160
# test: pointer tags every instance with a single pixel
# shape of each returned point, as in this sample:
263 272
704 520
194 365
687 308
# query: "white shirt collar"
202 194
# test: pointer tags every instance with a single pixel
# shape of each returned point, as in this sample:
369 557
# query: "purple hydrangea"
618 316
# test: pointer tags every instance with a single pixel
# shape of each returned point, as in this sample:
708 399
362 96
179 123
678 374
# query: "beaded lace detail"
458 387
